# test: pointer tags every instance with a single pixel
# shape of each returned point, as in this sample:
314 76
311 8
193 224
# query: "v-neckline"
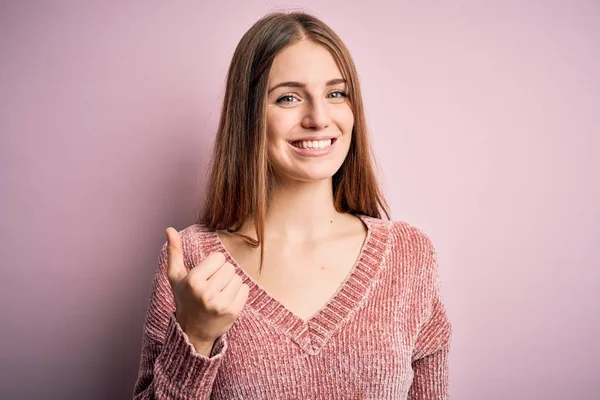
312 334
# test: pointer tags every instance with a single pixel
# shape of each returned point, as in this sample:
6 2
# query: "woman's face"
309 118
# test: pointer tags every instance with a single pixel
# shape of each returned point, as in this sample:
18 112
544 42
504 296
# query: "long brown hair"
240 176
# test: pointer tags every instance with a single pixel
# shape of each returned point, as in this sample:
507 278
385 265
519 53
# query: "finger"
239 301
230 290
207 267
221 278
176 270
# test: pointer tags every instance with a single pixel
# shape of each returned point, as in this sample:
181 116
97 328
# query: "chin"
314 175
309 170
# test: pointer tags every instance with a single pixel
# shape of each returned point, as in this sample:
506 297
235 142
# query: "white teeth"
312 144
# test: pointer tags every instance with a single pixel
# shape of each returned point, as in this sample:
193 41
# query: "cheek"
279 124
344 118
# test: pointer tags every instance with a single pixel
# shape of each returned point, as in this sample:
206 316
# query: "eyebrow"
297 84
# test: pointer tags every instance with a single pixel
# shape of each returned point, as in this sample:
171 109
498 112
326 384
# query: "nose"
316 115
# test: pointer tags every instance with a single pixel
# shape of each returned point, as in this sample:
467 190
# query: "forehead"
304 61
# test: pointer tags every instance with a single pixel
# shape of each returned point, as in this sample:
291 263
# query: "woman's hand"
208 298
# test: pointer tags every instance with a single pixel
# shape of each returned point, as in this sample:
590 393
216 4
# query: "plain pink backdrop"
484 120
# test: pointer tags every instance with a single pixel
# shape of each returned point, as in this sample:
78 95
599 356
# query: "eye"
339 94
286 98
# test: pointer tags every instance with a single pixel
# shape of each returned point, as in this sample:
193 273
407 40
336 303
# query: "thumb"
176 270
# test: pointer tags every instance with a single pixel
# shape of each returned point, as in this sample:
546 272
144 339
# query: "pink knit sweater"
385 333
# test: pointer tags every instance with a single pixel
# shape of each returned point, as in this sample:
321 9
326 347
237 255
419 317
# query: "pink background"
483 117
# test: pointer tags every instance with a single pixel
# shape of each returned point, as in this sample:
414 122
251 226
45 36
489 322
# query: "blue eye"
341 94
290 98
287 96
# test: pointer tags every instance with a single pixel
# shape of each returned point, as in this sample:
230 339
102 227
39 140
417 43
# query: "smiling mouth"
313 144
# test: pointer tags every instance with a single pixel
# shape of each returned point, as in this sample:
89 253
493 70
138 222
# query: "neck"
300 212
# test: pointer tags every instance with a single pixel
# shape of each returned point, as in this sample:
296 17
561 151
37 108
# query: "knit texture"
384 334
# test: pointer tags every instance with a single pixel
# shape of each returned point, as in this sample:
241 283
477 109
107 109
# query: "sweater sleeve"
430 358
169 366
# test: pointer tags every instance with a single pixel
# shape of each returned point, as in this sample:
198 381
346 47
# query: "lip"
310 138
315 152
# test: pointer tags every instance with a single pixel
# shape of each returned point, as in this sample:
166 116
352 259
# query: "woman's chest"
303 283
301 278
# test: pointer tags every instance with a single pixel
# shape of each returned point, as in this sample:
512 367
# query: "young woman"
292 285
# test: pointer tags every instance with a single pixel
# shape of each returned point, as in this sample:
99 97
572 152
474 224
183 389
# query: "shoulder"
415 256
403 241
412 247
195 233
404 233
